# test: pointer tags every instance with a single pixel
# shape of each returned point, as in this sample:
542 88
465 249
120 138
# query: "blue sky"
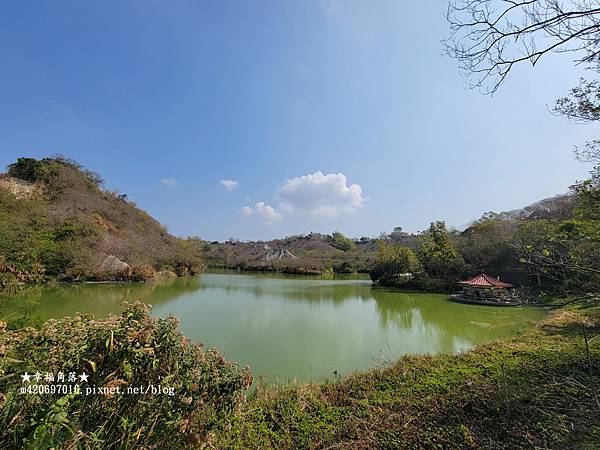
323 115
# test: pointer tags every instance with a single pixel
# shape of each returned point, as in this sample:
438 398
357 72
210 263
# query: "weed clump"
147 387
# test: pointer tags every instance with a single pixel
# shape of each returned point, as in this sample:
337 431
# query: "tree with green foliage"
50 170
565 254
437 252
487 246
397 233
339 241
28 169
395 265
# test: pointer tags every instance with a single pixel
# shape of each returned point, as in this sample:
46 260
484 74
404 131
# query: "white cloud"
267 212
229 185
263 211
170 182
320 195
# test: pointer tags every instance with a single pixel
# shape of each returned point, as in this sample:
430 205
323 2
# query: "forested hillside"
58 222
550 246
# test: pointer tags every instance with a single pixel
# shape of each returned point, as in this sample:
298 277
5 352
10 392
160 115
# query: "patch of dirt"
19 188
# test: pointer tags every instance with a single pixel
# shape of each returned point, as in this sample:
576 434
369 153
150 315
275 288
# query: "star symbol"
83 377
26 377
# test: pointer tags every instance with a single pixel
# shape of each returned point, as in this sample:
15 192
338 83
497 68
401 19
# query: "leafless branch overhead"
489 37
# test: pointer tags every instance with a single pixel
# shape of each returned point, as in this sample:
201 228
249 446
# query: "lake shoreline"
362 324
496 395
412 401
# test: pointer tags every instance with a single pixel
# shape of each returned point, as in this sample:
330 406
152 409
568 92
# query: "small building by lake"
485 289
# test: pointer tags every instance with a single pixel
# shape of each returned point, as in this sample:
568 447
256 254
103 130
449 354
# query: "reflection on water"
59 300
293 327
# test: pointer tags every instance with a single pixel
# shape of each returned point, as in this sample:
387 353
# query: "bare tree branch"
489 37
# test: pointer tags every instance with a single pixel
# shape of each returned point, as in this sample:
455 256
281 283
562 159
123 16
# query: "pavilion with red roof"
485 281
484 289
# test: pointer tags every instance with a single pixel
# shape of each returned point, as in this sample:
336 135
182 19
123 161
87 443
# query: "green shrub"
126 351
423 282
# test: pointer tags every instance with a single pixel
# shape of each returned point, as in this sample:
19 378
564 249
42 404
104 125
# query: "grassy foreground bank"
538 390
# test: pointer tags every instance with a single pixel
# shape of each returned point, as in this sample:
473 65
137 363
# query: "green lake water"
287 327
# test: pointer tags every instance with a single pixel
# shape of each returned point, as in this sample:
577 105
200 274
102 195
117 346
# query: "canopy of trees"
395 265
551 246
339 241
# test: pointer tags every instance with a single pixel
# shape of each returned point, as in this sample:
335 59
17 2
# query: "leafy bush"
48 170
29 169
126 351
345 267
142 272
424 282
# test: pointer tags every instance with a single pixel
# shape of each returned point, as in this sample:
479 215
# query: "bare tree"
490 37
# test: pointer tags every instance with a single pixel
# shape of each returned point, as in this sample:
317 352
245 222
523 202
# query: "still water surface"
287 327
